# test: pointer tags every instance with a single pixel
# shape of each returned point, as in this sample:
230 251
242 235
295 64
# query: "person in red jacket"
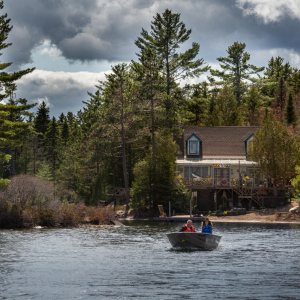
188 227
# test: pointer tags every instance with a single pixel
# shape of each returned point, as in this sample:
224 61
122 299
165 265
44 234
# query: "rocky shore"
280 215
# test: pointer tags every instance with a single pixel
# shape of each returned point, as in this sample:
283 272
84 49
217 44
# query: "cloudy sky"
72 44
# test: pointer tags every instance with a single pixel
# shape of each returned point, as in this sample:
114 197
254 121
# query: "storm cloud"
98 32
106 30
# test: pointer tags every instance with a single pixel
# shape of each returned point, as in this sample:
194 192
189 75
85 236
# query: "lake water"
252 262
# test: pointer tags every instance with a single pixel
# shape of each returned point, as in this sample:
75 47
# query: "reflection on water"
252 262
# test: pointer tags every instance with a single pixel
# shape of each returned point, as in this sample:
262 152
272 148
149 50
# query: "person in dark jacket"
207 226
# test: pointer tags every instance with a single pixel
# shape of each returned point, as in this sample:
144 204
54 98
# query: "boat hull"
192 240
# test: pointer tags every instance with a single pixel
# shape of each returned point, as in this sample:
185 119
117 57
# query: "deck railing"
220 182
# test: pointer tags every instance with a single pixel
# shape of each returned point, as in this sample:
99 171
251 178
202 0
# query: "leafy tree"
42 118
166 36
236 70
276 151
143 193
296 184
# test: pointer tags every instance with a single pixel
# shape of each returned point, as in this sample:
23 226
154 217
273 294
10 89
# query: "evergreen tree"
118 113
166 36
42 118
143 193
236 70
195 107
11 114
150 86
52 143
253 107
290 113
280 100
275 70
65 132
71 119
213 116
61 119
227 107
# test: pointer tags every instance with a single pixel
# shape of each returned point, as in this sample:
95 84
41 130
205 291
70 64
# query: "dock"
179 219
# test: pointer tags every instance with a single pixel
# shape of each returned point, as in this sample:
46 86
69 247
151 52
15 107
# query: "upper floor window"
193 145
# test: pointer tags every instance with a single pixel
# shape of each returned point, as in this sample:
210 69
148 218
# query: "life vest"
207 228
188 229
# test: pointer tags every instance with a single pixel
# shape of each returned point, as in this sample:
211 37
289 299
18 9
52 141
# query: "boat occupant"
207 226
188 227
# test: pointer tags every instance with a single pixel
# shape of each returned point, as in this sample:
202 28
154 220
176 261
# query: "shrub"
46 217
4 213
66 216
224 207
100 215
28 190
15 216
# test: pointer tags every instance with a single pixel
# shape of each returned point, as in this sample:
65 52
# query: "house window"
193 145
195 172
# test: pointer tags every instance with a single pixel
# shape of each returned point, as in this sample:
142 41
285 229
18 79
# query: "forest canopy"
123 138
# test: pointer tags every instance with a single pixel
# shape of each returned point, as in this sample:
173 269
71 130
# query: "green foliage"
10 215
42 119
12 113
279 103
44 172
276 151
236 70
296 184
46 217
253 105
153 186
166 36
290 113
3 183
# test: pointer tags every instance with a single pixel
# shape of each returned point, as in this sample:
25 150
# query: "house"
212 162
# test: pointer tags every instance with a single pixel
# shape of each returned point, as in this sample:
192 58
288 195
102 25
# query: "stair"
244 193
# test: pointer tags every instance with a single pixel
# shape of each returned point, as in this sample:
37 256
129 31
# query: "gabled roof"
219 141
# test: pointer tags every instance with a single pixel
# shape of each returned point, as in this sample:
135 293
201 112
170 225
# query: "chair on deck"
162 213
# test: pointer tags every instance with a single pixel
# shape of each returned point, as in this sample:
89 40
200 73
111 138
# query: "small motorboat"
194 240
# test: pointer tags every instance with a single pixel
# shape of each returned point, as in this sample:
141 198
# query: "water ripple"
252 262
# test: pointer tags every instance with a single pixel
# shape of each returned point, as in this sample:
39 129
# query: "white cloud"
63 91
43 99
51 51
289 56
270 10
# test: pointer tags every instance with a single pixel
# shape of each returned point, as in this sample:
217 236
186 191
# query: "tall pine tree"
166 36
42 118
11 120
236 70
